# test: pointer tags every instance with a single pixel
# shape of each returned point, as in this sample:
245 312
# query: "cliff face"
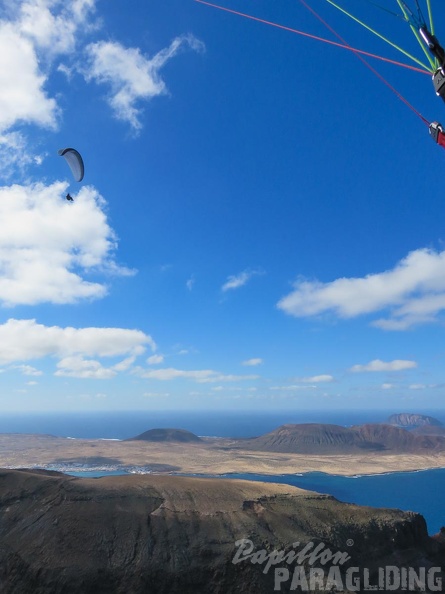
172 535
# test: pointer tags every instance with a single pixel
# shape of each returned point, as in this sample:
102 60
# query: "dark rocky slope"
171 535
315 438
410 420
428 430
166 435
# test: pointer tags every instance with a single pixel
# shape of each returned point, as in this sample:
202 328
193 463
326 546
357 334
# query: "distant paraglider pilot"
437 133
75 162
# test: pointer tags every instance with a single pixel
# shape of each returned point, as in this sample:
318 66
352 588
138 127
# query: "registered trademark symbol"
349 542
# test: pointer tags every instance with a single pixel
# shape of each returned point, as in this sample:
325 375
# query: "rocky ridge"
172 535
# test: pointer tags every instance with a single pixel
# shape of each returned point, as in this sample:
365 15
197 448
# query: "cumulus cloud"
201 376
131 76
48 245
79 367
25 340
124 364
252 362
22 94
378 365
239 280
53 25
28 370
32 32
316 379
413 292
155 359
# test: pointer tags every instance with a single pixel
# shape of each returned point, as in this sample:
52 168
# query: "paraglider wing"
75 162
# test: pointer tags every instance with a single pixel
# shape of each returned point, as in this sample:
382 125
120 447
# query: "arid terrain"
289 449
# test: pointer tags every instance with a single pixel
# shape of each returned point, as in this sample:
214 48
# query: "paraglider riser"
439 83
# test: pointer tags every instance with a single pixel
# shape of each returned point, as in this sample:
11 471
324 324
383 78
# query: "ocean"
415 491
409 491
122 424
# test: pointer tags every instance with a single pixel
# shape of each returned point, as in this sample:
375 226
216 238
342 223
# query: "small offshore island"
406 443
182 535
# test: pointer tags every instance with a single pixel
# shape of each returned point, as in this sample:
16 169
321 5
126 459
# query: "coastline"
212 456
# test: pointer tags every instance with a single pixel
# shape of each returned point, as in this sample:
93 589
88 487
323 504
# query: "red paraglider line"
373 70
343 46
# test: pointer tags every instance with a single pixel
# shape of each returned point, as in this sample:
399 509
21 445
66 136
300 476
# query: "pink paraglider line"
296 31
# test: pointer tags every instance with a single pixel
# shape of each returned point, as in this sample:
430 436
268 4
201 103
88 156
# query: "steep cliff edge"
171 535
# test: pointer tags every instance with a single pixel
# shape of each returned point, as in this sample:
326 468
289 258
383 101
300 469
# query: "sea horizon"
126 424
418 491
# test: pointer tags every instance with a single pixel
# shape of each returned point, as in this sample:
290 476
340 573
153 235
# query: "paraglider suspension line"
373 70
423 70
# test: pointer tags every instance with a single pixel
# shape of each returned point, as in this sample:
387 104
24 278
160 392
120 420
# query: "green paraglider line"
430 16
417 36
424 70
373 70
404 52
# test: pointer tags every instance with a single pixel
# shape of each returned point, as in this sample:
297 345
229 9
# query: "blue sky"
261 223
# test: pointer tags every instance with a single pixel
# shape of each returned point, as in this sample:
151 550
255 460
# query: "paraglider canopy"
74 161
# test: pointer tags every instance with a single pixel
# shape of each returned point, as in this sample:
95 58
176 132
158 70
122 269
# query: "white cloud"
388 386
291 388
28 370
413 292
79 367
47 244
32 33
378 365
201 376
22 95
124 364
252 362
54 25
15 154
132 76
155 359
239 280
24 340
316 379
190 283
